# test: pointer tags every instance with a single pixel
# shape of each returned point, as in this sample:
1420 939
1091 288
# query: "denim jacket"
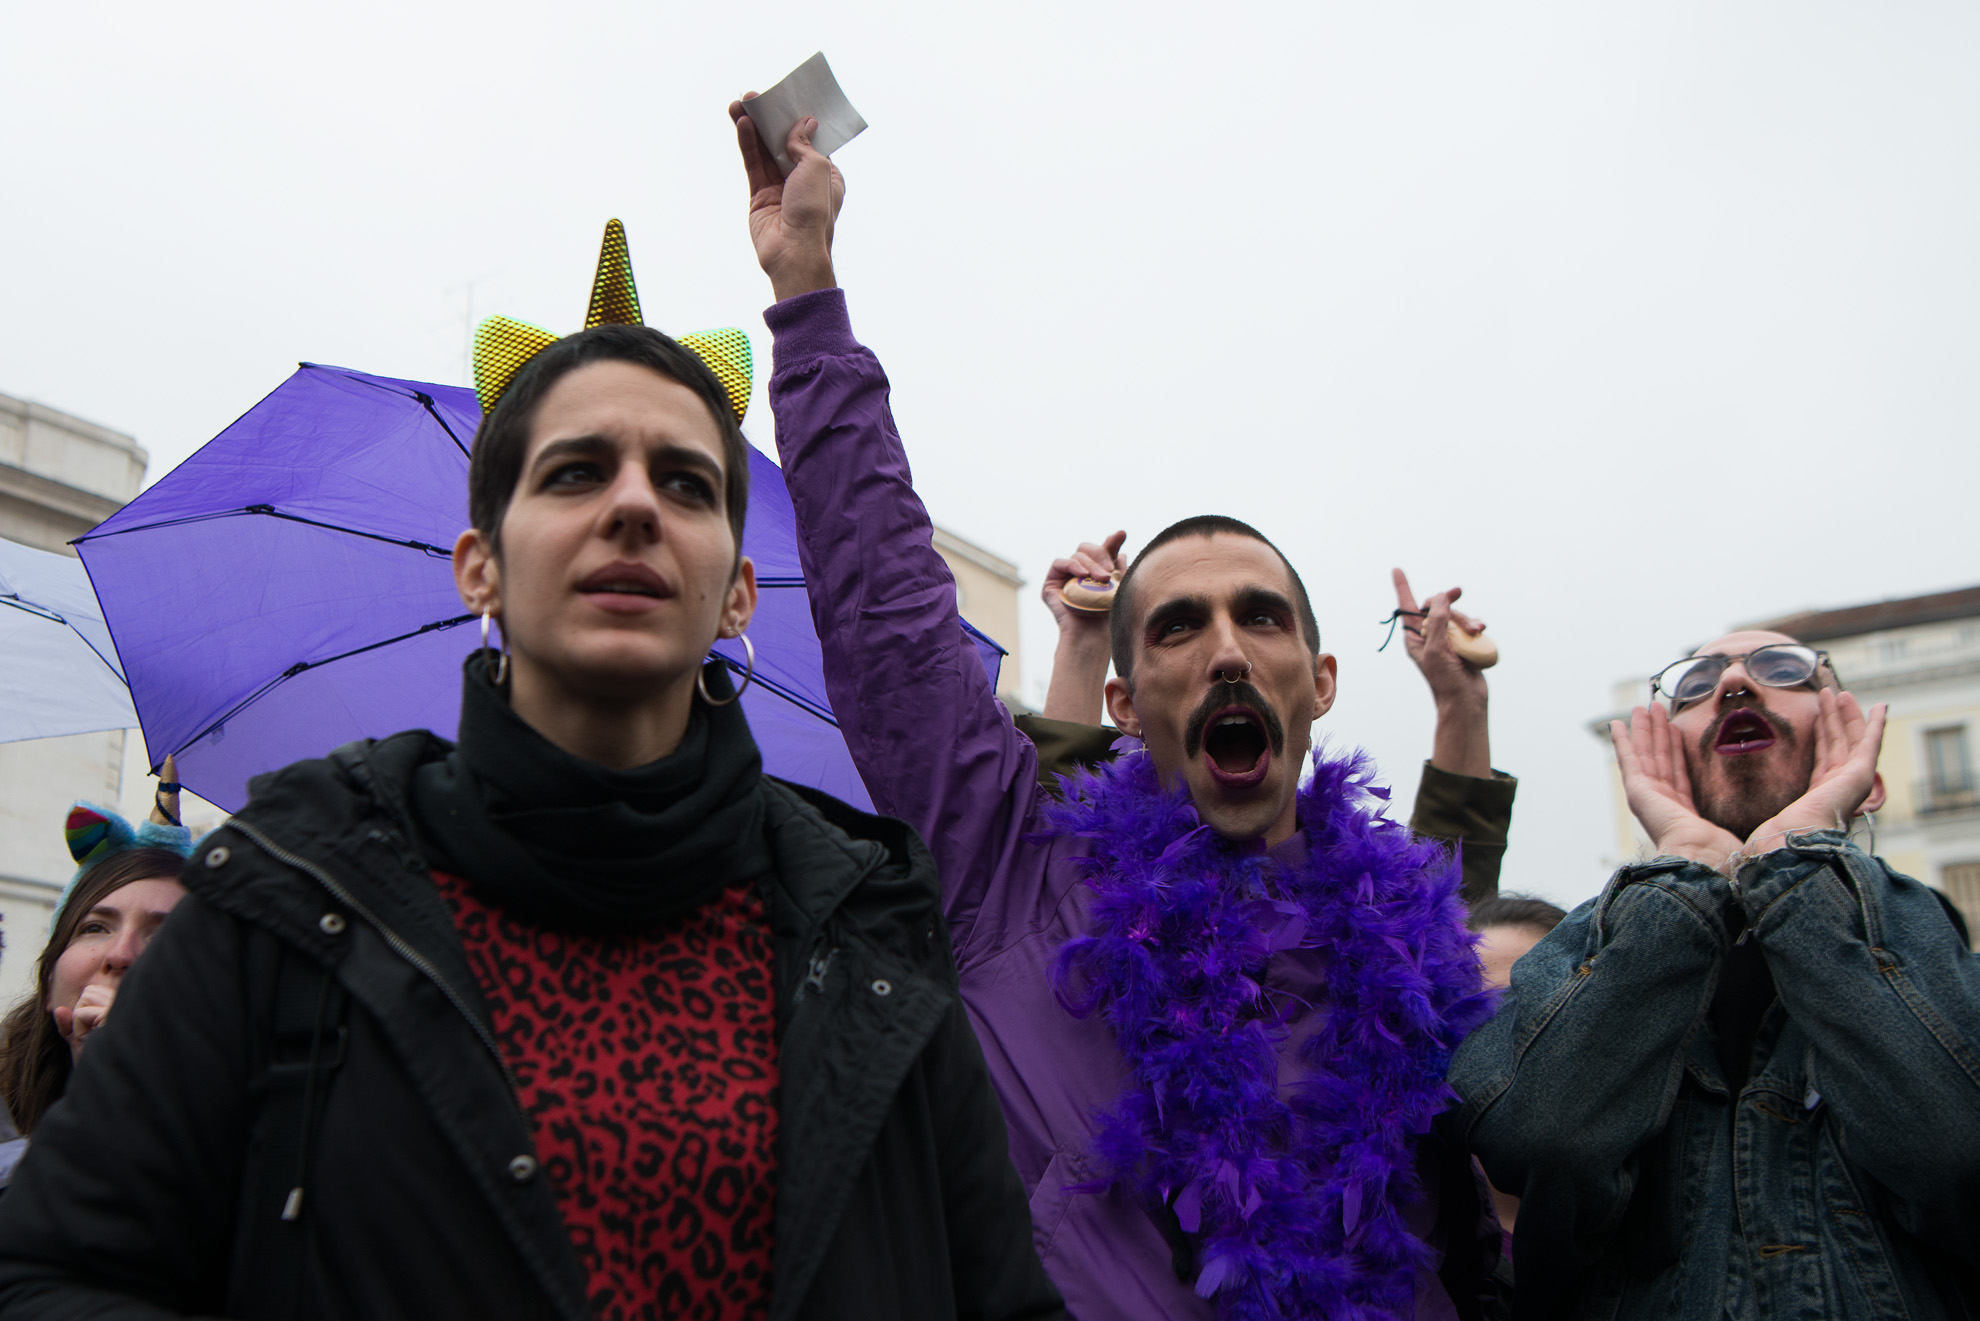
1843 1181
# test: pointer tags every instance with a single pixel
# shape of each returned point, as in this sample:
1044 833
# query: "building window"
1948 769
1892 650
1961 882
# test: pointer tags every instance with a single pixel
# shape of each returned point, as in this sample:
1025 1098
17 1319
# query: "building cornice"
1874 681
58 497
22 887
29 411
951 544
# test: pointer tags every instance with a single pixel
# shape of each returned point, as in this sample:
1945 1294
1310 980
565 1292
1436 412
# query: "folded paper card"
809 89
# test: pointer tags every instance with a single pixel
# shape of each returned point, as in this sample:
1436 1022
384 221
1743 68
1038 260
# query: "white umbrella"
58 669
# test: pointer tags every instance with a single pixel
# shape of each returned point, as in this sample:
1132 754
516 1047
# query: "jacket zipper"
821 967
398 944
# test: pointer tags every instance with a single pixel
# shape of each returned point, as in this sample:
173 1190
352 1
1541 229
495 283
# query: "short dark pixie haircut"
502 442
1123 627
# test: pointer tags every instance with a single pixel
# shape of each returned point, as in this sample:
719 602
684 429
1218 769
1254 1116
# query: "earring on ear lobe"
749 673
500 674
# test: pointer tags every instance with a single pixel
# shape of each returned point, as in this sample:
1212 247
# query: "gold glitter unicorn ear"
614 298
726 352
502 346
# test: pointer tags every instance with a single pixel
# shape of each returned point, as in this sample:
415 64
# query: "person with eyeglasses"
1743 1081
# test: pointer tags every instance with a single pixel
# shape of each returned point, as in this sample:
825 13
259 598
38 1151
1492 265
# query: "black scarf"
571 844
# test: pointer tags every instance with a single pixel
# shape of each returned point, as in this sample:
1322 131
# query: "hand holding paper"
791 212
810 91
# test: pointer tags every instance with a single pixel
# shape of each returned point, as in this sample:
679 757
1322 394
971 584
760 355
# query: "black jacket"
157 1184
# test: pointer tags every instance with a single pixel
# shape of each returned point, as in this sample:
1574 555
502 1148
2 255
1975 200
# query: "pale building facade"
1921 657
59 477
987 588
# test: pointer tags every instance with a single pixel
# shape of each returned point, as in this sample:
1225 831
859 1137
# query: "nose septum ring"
1239 677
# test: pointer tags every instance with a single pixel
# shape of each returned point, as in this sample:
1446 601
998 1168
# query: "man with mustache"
1217 1007
1744 1081
1460 798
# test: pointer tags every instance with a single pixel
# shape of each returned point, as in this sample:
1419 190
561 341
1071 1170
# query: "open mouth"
1742 732
1236 747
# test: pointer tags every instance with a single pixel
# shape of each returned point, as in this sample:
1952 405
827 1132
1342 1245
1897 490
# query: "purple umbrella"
287 589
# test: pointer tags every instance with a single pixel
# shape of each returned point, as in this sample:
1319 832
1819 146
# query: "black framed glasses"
1782 665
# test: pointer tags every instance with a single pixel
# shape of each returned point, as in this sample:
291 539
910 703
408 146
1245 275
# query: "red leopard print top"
648 1069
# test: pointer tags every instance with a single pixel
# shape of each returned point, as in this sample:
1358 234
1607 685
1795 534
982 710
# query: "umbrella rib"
802 703
39 612
43 612
425 399
300 666
270 511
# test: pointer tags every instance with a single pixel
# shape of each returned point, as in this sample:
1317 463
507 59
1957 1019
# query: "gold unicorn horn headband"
503 345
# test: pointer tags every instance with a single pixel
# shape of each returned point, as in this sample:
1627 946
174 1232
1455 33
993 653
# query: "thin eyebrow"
569 448
682 456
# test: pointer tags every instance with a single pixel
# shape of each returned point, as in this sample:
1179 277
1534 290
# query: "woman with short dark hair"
581 1016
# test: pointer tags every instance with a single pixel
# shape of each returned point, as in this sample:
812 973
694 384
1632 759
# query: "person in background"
1460 798
582 1016
125 885
1508 925
1744 1081
1217 1002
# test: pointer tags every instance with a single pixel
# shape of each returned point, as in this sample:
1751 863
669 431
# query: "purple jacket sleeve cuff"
813 325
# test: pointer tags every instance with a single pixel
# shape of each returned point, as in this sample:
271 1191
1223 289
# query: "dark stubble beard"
1749 791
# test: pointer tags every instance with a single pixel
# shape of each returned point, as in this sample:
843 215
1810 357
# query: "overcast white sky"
1636 320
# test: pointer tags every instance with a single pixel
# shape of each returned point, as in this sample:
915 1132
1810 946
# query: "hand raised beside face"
91 1012
1658 788
1844 781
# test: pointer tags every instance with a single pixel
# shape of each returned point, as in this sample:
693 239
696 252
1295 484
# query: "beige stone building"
59 477
987 594
1921 656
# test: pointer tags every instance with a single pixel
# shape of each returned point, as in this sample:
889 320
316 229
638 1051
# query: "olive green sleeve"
1065 746
1472 811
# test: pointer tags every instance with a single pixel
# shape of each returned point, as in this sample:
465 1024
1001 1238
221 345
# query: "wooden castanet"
1088 595
1479 650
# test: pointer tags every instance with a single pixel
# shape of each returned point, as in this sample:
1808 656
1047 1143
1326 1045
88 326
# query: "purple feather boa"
1296 1195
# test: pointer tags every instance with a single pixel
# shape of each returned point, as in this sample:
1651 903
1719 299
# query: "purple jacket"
937 750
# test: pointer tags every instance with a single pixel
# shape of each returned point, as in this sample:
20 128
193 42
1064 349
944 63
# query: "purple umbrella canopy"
288 588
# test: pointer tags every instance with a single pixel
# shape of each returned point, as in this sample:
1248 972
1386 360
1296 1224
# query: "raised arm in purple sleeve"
929 737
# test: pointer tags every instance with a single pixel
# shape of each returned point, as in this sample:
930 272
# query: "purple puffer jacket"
937 750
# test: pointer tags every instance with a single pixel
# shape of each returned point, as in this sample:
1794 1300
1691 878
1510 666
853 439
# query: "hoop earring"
501 674
749 673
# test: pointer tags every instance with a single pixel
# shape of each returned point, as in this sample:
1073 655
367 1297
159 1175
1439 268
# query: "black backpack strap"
294 1062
